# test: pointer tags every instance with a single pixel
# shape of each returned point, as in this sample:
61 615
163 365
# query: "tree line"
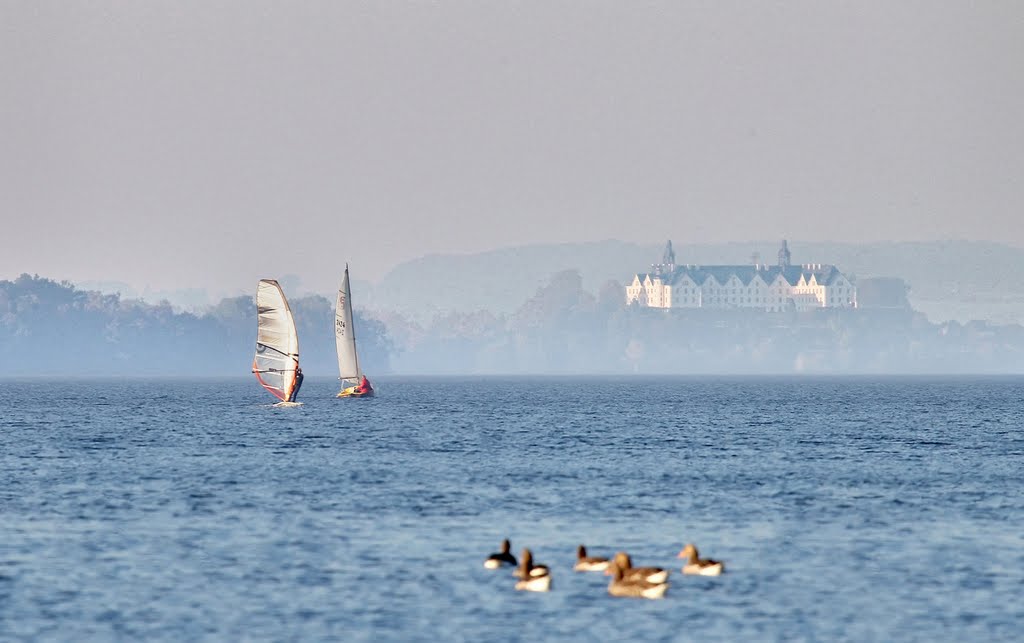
49 327
53 328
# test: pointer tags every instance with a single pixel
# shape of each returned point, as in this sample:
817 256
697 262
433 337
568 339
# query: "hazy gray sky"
213 143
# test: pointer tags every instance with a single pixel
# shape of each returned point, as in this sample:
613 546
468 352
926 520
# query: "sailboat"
276 363
353 381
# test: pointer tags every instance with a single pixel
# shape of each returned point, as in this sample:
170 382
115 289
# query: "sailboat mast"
345 333
355 349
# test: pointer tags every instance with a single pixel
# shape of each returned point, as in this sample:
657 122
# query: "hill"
949 280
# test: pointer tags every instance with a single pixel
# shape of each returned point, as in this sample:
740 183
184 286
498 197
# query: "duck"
501 558
527 568
533 578
696 565
634 587
625 563
586 563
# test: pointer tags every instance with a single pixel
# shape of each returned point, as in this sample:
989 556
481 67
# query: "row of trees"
53 328
49 327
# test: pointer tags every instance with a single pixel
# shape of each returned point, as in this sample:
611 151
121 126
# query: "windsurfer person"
298 384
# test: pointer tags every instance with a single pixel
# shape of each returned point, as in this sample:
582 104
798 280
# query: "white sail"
277 344
345 333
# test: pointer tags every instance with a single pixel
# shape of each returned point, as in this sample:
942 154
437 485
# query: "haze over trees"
52 328
563 327
948 280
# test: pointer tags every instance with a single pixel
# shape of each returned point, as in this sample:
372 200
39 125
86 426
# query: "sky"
197 144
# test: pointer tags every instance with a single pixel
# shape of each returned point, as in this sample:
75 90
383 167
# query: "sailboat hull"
352 392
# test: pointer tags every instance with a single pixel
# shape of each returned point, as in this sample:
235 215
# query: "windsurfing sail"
277 345
345 334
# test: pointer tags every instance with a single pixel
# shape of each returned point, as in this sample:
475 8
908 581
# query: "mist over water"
845 508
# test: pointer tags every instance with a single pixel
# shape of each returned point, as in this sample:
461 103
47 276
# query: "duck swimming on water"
534 578
696 565
634 587
623 562
501 558
586 563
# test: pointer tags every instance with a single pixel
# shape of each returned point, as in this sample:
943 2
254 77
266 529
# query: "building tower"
668 260
784 255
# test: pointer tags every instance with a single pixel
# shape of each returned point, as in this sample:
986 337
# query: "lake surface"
844 508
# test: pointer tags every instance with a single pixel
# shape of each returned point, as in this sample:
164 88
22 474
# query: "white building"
770 288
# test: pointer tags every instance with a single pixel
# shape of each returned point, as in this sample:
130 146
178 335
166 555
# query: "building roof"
671 274
826 274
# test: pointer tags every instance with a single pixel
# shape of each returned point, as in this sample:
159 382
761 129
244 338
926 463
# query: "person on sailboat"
298 384
364 386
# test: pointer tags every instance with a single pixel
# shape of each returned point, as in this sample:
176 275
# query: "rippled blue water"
863 509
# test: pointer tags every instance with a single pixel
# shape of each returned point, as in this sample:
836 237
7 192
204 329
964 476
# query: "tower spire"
784 255
669 258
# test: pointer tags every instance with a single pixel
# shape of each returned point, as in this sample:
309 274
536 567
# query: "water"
845 509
